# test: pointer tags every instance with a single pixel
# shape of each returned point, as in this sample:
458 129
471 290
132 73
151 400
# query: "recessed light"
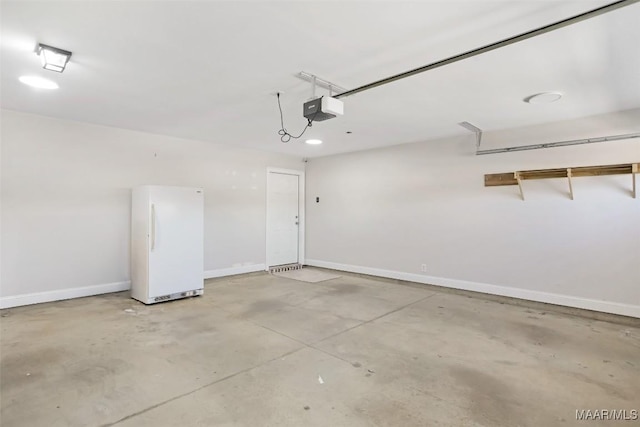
39 82
543 98
313 141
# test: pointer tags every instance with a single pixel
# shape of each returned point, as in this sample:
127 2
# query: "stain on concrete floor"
250 352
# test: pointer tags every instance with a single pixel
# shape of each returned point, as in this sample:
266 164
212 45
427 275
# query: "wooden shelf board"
509 178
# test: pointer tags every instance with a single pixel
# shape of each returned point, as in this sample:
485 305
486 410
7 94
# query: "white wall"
387 211
66 189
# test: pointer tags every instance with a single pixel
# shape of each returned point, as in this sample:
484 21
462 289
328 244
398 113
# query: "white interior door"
176 240
283 219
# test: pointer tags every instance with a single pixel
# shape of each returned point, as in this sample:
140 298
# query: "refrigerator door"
176 242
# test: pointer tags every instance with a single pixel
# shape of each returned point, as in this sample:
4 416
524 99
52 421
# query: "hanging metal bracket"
319 82
475 130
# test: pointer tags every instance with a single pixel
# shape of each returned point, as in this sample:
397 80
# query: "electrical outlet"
423 268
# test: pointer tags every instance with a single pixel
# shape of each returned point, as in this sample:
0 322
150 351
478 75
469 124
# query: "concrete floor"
260 350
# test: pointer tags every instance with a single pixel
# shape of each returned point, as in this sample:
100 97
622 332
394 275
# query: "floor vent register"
282 268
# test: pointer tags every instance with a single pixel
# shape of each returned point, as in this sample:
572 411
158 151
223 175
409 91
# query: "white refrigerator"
167 243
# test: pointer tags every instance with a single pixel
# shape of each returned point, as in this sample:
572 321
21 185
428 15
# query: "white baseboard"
232 271
62 294
86 291
550 298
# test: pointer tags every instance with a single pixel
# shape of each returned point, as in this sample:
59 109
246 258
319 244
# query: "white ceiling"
207 70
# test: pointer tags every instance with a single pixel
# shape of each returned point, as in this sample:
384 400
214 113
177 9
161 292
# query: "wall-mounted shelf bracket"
516 178
517 175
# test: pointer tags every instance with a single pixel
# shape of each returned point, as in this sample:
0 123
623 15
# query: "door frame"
301 213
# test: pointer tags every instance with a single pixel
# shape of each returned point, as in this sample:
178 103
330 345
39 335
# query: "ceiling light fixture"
313 141
543 98
53 59
38 82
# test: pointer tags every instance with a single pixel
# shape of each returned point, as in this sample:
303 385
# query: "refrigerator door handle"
153 226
